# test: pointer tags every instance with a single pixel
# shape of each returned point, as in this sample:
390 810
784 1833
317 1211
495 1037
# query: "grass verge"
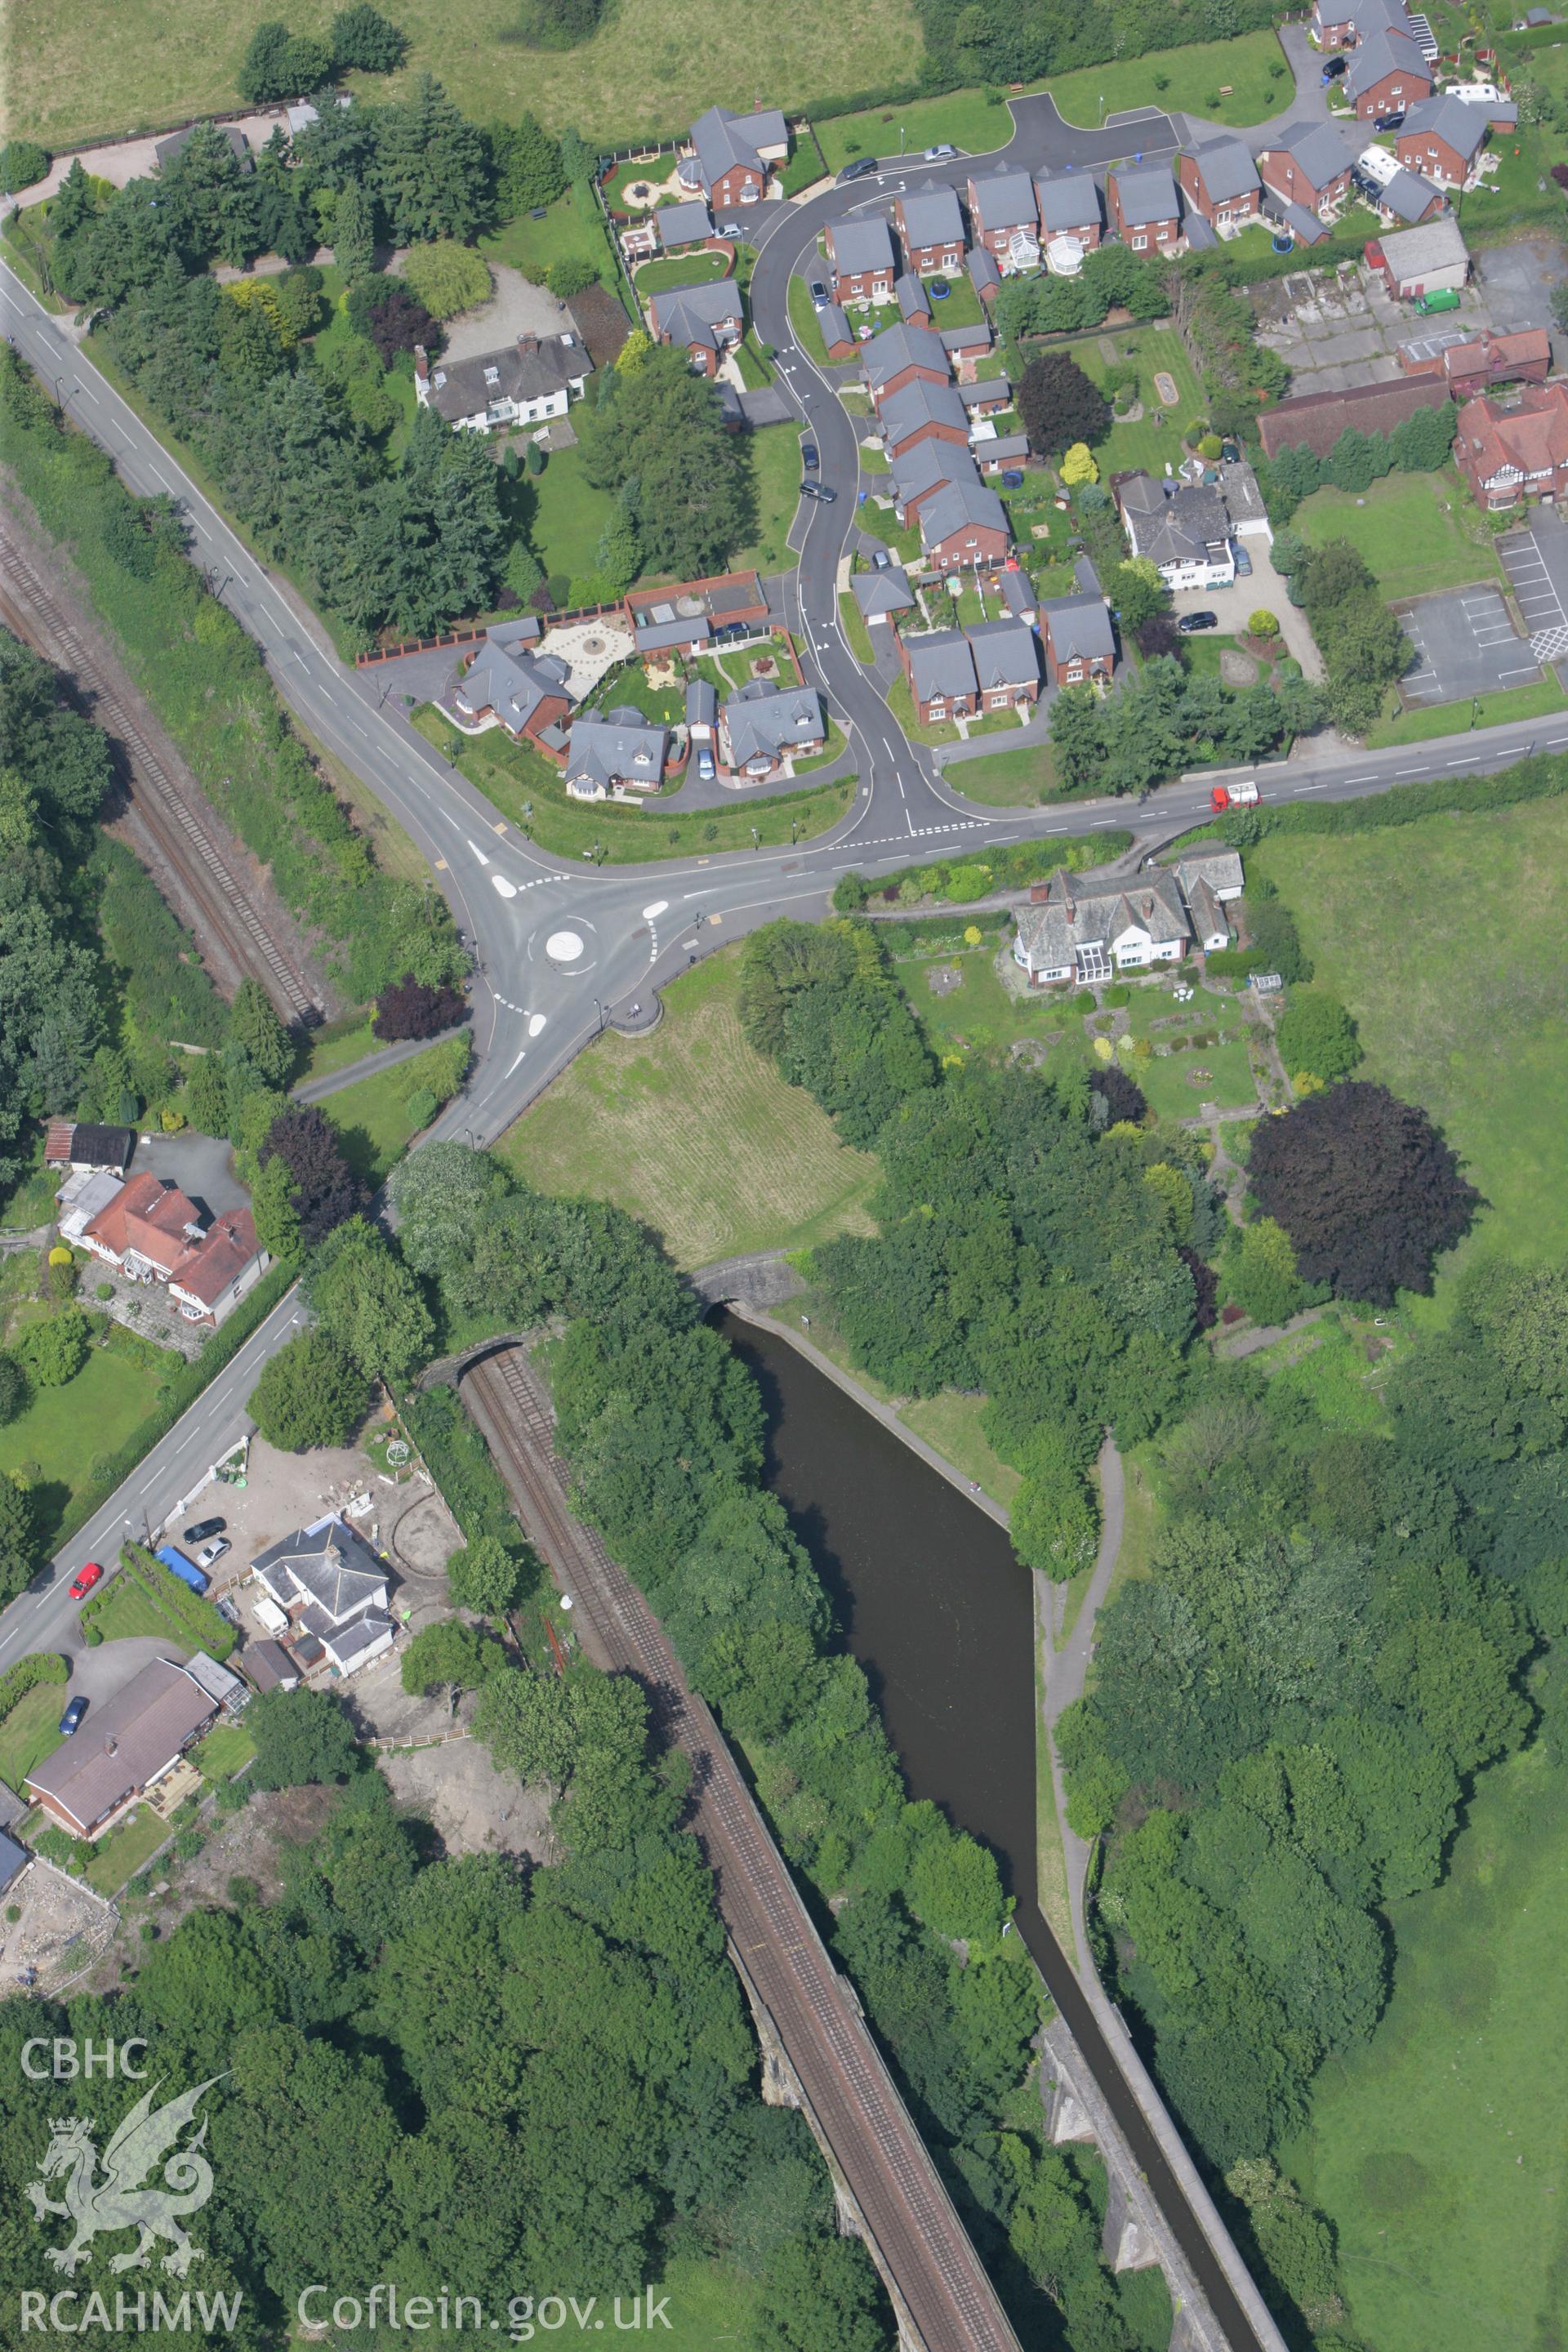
1515 704
31 1731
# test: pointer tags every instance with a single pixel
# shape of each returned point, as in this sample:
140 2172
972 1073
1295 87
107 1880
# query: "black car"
818 293
808 457
72 1716
1231 452
1334 67
857 170
203 1531
818 490
1388 122
1190 623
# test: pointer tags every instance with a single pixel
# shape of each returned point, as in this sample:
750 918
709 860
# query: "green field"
124 1850
64 1431
1126 447
1020 778
974 120
805 325
92 69
127 1612
711 2309
570 230
1195 81
679 270
1415 532
31 1731
1462 1015
336 1048
371 1116
1439 2150
693 1131
526 789
775 478
560 514
951 1423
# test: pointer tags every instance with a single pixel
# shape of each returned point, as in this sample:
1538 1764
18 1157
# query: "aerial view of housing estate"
783 1178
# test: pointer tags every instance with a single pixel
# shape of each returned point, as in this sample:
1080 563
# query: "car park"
85 1579
1190 623
72 1715
809 458
212 1552
858 169
818 292
941 153
818 490
203 1531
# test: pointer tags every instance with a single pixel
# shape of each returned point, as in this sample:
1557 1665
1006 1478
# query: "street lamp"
598 1016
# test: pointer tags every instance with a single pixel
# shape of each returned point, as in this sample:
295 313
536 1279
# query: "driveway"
1265 591
201 1165
516 307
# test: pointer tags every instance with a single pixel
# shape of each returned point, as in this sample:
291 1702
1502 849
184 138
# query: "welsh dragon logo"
120 2201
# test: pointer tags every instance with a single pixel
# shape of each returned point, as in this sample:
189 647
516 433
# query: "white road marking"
660 907
508 890
478 853
535 1023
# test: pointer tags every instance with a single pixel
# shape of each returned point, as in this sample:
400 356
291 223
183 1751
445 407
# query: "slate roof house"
1006 219
1068 206
922 470
983 275
964 527
1442 138
931 227
860 256
731 155
1207 883
706 319
527 382
1220 181
134 1738
1408 199
903 355
331 1587
914 302
940 668
880 594
925 411
178 141
1145 210
1517 448
608 757
1309 165
1006 663
504 686
1182 527
1386 75
701 710
1080 645
682 226
1341 23
1079 931
838 337
764 725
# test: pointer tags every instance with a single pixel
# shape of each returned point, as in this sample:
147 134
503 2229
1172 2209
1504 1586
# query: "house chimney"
1148 909
421 371
1068 896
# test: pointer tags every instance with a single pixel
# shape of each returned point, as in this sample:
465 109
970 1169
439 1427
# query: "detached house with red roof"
152 1233
1514 449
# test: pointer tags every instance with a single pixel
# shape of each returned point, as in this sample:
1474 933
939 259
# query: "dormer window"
440 378
492 376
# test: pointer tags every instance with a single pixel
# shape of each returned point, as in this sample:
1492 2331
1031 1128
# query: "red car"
84 1580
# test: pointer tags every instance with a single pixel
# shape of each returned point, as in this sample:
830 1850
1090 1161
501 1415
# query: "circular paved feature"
564 948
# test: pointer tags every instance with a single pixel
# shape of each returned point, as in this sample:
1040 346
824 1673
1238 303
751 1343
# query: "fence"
472 635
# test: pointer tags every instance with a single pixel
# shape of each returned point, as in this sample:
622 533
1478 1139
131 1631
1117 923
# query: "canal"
940 1616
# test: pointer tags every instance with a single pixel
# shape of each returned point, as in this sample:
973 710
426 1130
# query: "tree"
273 1212
13 1390
1058 404
1261 1273
326 1189
527 164
439 1197
1137 592
1053 1520
302 1736
392 318
573 273
54 1351
824 2295
1367 1188
662 427
255 1028
351 232
1077 727
1263 624
310 1393
1158 638
364 41
22 165
408 1008
484 1575
448 1655
1316 1033
265 71
18 1534
431 167
1078 466
368 1302
446 276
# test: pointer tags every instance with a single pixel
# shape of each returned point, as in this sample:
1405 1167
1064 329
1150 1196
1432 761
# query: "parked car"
1334 67
85 1579
808 457
1192 622
940 153
1243 563
882 560
1443 298
939 289
203 1531
1231 452
72 1715
1388 122
819 293
211 1553
729 630
857 170
818 490
705 767
1012 478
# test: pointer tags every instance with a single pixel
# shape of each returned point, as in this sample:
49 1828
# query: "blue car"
72 1716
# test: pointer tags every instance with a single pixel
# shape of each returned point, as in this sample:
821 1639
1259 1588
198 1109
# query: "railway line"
181 828
950 2305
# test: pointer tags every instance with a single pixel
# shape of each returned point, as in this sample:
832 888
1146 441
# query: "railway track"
181 828
948 2299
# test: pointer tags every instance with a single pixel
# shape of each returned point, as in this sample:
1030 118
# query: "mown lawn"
222 1751
1514 704
1437 2149
63 1431
103 67
1145 444
570 230
128 1613
1222 81
31 1731
775 482
124 1850
951 1423
331 1052
561 515
805 324
709 2308
974 120
1413 531
1464 1017
679 270
371 1116
1015 779
693 1130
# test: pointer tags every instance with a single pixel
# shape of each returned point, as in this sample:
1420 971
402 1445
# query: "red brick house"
900 356
923 412
731 155
931 229
860 256
1220 181
1079 645
839 340
1473 367
940 671
1309 165
1341 23
1387 75
1442 138
506 685
1517 452
1145 210
964 528
1005 219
